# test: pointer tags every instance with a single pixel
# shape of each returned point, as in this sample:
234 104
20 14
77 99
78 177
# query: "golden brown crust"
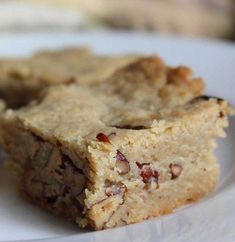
183 76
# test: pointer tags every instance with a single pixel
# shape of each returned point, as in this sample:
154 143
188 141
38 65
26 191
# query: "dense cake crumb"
120 151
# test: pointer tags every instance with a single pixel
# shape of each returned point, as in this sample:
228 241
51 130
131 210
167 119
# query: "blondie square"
22 80
117 152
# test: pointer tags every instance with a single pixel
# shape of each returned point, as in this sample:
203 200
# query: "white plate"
212 219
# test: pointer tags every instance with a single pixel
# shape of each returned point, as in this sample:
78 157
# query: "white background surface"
210 220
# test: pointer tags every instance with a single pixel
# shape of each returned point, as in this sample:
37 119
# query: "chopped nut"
74 180
114 189
140 165
175 170
122 163
127 126
123 167
148 175
221 114
205 98
103 138
101 212
43 155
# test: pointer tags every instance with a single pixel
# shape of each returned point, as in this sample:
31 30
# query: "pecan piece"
103 138
221 114
148 175
115 189
175 170
101 212
74 179
127 126
206 98
140 165
122 163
